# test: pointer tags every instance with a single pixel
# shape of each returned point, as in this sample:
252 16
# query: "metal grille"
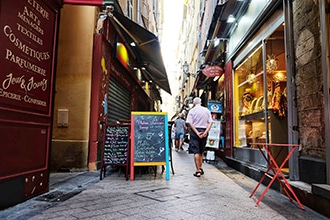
118 102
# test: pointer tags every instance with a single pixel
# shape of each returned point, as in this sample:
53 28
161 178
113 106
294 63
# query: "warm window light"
279 76
231 19
271 63
251 78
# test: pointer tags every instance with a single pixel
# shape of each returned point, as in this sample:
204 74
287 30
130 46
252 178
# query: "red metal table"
276 170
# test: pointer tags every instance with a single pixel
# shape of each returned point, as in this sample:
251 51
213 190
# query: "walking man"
200 121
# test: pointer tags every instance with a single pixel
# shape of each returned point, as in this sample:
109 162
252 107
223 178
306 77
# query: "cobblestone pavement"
221 193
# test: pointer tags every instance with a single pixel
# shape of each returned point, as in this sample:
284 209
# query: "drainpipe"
94 106
138 12
293 130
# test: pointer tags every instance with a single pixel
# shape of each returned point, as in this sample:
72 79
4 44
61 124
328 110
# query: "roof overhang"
147 51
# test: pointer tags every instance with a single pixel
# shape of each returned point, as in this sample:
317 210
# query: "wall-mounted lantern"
185 68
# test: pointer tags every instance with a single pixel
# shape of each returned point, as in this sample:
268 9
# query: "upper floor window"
130 9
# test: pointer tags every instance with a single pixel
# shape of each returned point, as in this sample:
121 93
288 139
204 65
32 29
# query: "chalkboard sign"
149 133
116 146
149 138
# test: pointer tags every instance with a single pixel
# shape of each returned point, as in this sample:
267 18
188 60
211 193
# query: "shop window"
260 104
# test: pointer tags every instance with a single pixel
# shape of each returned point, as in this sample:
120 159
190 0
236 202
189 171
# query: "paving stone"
221 193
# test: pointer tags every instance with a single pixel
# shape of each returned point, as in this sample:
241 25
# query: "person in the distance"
180 128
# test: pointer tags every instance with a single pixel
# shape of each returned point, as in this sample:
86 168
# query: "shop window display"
260 102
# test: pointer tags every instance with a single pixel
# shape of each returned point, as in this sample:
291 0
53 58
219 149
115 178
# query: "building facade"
273 87
87 63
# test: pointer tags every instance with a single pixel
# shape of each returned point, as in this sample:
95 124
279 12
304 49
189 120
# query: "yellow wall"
73 86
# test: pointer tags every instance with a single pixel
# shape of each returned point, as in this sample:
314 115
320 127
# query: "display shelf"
253 116
255 131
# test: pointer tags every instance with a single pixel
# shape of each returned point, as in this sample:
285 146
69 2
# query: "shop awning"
147 49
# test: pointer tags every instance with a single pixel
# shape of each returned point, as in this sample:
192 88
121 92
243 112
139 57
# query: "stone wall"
309 79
